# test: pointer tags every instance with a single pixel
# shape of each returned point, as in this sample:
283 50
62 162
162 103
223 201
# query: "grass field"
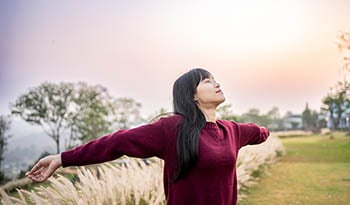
315 170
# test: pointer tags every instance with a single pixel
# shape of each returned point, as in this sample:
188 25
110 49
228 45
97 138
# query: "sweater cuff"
265 131
66 159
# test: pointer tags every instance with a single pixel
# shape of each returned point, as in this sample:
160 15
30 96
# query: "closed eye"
207 81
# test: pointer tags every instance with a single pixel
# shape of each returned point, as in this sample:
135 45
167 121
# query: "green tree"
225 112
127 113
276 120
83 110
162 112
309 118
91 113
274 113
337 102
253 115
46 105
344 49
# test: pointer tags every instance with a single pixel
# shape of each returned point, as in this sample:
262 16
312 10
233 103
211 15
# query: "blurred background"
276 61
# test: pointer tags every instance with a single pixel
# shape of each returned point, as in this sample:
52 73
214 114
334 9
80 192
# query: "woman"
199 151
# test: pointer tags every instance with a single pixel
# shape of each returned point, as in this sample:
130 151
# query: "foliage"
82 109
162 112
309 119
46 105
91 113
4 136
225 112
127 113
3 178
253 115
337 102
344 49
276 120
272 119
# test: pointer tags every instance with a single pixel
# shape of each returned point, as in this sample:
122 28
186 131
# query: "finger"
37 172
36 167
36 178
39 177
33 178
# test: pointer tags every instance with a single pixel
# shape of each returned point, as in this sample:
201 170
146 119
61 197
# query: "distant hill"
24 147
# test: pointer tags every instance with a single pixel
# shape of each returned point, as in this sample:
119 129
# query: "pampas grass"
255 159
133 181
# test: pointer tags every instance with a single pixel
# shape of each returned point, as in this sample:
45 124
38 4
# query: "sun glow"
248 24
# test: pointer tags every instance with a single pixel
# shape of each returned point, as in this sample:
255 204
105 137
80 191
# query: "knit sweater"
212 180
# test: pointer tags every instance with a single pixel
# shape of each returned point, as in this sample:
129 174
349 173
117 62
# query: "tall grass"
133 181
254 159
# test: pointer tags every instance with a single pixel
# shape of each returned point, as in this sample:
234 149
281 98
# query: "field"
134 182
315 170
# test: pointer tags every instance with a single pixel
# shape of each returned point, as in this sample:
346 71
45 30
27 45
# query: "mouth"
219 91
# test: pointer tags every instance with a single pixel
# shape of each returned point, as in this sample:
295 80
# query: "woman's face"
208 93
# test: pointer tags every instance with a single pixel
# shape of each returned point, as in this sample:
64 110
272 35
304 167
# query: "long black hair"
193 119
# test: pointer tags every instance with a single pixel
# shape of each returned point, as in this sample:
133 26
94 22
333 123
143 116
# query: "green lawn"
315 170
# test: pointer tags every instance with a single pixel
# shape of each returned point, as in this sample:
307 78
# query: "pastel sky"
264 53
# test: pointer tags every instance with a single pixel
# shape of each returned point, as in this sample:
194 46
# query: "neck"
210 114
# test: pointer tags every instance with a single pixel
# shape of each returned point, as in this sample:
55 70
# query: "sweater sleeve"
250 133
144 141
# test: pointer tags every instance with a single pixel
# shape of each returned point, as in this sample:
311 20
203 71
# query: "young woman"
199 151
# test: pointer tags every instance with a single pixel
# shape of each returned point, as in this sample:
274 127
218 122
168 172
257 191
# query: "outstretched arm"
144 141
44 168
250 133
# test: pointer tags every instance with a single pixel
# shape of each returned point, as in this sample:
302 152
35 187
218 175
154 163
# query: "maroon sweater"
211 181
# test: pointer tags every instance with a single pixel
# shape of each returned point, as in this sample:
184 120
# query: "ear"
195 99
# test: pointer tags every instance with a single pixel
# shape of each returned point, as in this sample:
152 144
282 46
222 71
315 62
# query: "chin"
220 101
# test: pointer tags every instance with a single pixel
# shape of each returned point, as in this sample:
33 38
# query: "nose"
217 85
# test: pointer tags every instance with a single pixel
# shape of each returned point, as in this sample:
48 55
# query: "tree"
225 112
276 120
4 136
48 106
274 113
59 108
337 102
309 119
91 114
127 113
162 112
344 49
253 115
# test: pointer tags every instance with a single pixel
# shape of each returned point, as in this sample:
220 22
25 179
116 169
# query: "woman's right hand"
44 168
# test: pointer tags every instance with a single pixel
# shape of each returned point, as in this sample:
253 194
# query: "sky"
263 53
